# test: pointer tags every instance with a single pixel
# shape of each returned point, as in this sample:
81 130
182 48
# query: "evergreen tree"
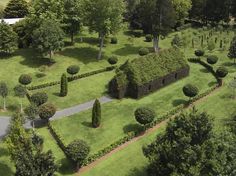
8 38
64 85
96 115
16 9
232 50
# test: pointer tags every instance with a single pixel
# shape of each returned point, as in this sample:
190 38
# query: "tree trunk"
33 124
156 43
51 54
72 38
81 39
4 104
101 46
21 107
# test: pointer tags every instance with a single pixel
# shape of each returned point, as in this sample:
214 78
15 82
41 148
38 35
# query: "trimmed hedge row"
71 78
130 135
57 137
207 66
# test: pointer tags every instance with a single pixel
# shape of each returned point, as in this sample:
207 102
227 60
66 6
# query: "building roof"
11 21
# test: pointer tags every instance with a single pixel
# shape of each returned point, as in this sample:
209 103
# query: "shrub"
143 51
199 53
212 59
113 60
144 115
31 111
114 40
46 111
177 41
222 72
73 69
64 85
148 38
25 79
137 33
39 98
190 90
78 151
96 115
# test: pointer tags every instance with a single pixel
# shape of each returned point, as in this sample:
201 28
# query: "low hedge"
207 66
130 135
71 78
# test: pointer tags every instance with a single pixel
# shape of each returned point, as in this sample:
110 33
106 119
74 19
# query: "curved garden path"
5 120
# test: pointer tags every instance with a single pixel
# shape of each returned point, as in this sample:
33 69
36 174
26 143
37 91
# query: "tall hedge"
64 85
96 114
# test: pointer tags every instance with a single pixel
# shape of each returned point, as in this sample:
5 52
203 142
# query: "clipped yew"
144 115
64 85
46 111
190 90
96 114
25 79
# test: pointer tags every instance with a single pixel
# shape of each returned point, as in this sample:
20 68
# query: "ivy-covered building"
147 74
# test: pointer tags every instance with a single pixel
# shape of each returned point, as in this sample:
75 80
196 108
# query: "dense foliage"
96 114
222 72
212 59
46 111
64 85
153 66
39 98
144 115
189 147
78 151
190 90
16 9
232 49
73 69
25 79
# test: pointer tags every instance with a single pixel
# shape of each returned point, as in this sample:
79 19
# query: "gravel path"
5 121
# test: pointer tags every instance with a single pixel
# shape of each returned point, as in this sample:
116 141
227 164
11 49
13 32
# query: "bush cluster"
199 53
73 69
143 51
112 60
114 40
148 38
39 98
25 79
212 59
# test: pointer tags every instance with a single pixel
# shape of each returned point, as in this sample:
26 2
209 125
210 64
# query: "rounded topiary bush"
78 151
112 60
73 69
114 40
190 90
143 51
25 79
148 38
46 111
212 59
222 72
144 115
199 53
39 98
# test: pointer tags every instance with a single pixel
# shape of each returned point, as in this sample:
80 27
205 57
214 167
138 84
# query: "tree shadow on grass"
212 83
204 70
128 49
138 172
89 40
32 58
85 55
228 64
87 124
132 128
178 102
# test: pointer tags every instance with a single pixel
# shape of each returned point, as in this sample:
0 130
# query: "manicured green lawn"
117 116
129 161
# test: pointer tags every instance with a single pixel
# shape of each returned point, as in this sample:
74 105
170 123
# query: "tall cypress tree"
96 115
64 85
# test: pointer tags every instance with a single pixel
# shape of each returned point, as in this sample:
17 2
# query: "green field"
117 116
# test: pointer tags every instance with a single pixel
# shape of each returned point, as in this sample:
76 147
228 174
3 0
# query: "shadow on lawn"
85 54
178 102
127 50
138 172
32 58
132 128
66 167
